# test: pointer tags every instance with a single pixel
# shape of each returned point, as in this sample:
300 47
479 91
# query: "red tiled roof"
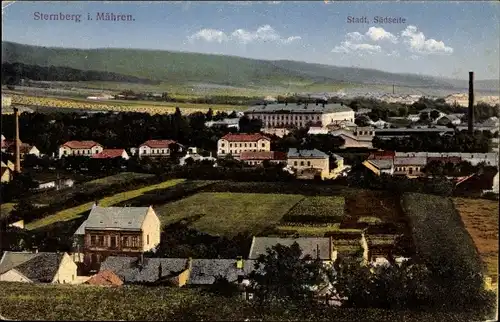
240 137
158 143
279 155
109 154
105 277
81 144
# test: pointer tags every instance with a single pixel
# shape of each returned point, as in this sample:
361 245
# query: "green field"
88 187
330 207
53 302
229 213
76 212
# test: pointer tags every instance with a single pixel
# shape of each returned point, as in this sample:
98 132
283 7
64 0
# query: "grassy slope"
229 213
480 217
75 212
182 67
24 301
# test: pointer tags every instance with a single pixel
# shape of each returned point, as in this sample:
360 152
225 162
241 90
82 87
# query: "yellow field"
75 212
119 106
480 217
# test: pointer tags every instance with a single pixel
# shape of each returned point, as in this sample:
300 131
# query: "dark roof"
295 108
309 246
205 271
294 153
38 267
130 270
124 218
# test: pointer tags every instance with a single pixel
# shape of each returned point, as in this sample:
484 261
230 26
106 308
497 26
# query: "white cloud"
264 33
378 34
350 47
210 35
419 44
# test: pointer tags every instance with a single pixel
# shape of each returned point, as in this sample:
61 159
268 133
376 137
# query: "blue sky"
438 38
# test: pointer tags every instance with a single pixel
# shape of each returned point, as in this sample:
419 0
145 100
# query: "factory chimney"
471 103
17 142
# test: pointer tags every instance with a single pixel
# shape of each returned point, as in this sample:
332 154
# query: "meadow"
480 217
149 107
57 302
72 213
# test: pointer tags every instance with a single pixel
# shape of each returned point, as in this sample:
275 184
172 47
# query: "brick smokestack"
17 142
471 103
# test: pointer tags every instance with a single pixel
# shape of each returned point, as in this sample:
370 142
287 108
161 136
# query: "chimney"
471 103
239 262
18 142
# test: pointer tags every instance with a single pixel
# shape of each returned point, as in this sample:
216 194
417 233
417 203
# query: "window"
295 163
308 163
230 145
92 240
125 241
135 241
65 152
113 241
241 145
301 163
88 151
255 144
101 241
263 145
147 240
245 145
222 145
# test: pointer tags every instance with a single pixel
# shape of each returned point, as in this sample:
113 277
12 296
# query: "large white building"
300 115
80 148
490 158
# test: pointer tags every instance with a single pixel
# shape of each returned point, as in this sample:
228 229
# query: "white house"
157 148
80 148
237 143
192 152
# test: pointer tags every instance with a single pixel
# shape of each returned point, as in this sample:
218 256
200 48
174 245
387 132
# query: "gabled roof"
158 143
109 154
241 137
410 161
309 246
23 148
294 153
205 271
105 277
121 218
4 169
383 164
381 155
81 144
38 267
130 270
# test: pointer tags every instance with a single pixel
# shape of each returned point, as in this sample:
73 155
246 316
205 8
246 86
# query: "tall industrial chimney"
18 142
471 103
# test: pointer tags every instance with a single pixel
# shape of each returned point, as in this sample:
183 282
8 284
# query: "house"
192 153
19 224
206 271
24 149
350 246
381 155
379 166
494 187
80 148
314 130
157 148
321 248
57 184
362 111
299 115
379 123
413 117
279 132
257 158
6 174
235 144
448 119
105 278
308 163
410 166
37 267
430 111
339 166
491 122
230 123
490 158
111 154
359 137
108 231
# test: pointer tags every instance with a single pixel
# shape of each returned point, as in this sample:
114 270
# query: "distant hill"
183 67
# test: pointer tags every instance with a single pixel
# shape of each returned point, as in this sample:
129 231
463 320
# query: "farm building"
321 248
158 148
111 154
192 153
257 158
37 267
308 163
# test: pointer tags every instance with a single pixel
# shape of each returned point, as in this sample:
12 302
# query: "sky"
437 38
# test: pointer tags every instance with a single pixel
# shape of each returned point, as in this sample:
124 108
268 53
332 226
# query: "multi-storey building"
409 166
235 144
300 115
307 163
125 231
80 148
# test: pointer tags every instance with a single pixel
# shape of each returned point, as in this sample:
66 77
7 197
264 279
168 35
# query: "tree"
424 117
434 114
283 275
